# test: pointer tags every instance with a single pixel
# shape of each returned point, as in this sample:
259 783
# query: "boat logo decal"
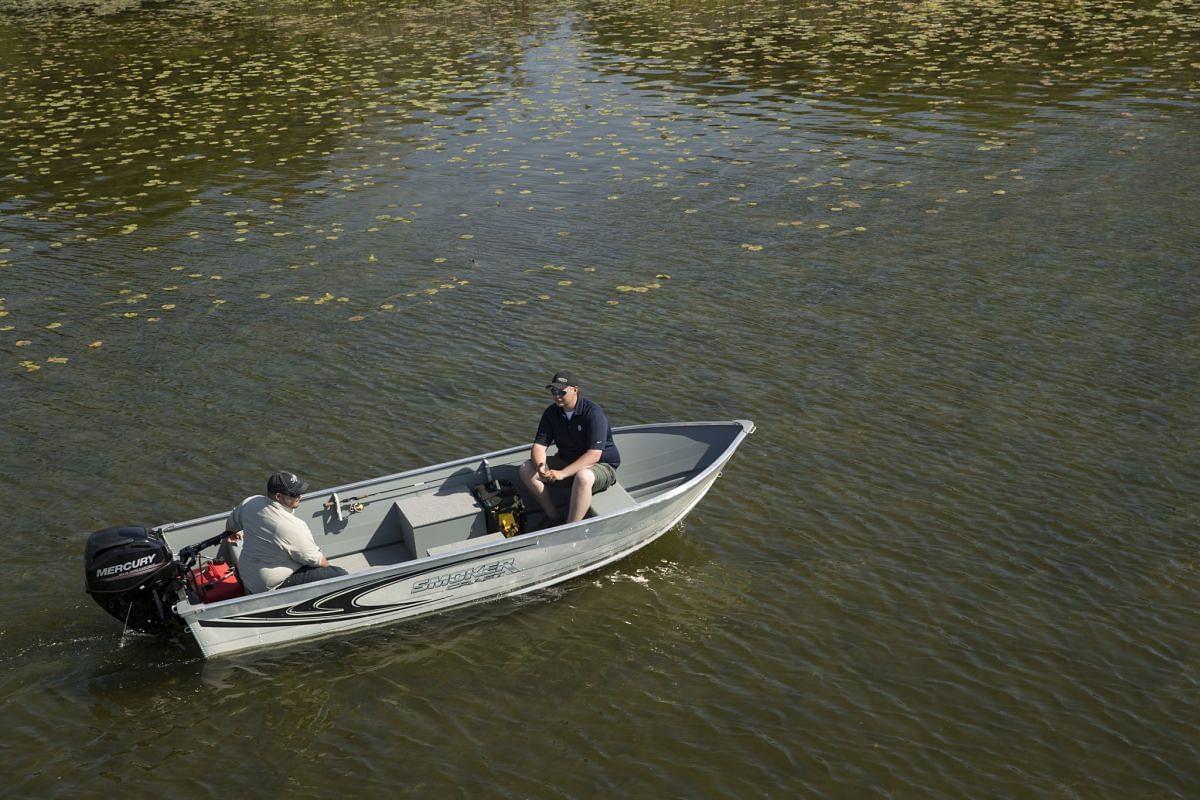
465 577
135 567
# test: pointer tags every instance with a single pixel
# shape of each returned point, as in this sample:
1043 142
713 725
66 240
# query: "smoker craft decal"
139 566
344 604
465 577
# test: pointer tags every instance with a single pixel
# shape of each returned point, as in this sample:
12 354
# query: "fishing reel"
343 509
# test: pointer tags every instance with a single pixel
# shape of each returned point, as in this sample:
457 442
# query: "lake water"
943 254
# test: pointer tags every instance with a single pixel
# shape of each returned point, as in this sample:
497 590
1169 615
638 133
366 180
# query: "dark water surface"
944 254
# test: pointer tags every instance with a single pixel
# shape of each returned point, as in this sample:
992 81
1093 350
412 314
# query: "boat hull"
414 543
386 595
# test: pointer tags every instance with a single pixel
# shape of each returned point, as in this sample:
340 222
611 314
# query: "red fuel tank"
215 582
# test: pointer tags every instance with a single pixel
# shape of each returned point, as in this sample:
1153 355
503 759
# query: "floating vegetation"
313 159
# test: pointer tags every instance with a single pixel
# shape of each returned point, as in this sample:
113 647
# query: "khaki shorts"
605 474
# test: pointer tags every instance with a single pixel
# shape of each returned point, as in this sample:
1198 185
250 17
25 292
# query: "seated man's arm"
541 441
233 525
309 558
537 453
302 548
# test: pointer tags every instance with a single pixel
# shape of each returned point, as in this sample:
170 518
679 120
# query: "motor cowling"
131 573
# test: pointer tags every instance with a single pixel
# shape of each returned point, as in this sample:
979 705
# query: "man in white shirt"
278 549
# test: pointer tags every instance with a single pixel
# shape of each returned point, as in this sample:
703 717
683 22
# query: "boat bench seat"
614 498
439 518
430 522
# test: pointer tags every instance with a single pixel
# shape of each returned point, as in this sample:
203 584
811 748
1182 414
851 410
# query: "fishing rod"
355 504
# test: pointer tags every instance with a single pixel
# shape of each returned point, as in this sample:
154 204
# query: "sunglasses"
557 392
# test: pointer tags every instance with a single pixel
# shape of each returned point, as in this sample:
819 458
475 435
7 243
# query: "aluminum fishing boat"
414 543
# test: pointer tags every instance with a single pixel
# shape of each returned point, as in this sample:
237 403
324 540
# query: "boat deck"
437 523
431 512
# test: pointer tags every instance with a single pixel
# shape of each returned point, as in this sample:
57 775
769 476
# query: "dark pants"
310 574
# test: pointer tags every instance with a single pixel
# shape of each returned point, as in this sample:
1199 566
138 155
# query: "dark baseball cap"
287 483
562 380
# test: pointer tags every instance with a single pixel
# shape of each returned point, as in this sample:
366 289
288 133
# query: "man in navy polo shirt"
586 453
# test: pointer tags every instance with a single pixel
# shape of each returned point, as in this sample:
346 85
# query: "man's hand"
552 475
543 472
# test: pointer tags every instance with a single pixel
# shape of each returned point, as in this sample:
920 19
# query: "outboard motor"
130 572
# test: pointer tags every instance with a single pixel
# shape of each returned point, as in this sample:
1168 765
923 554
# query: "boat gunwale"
186 609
